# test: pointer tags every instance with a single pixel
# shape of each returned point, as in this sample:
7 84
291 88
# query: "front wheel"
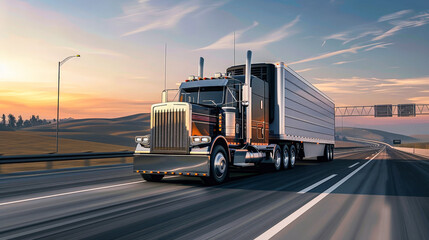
152 177
219 166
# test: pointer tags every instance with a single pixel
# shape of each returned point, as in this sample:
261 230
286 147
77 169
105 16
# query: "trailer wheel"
219 167
326 154
331 152
292 156
152 177
285 159
277 159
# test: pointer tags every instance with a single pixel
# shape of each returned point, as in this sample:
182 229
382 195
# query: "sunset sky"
357 52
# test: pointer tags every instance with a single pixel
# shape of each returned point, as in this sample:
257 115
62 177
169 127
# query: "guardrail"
416 151
62 157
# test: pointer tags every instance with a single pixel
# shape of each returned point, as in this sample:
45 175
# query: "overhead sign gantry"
386 110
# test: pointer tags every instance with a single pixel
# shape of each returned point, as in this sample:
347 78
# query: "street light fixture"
58 99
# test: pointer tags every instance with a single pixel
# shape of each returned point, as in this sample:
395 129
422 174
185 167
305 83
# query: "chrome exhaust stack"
247 96
201 68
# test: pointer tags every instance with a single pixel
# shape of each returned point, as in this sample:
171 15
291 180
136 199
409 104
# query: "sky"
357 52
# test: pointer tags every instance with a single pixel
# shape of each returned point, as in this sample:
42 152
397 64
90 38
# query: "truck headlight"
143 140
195 140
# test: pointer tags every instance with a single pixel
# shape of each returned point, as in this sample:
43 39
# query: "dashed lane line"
353 165
292 217
316 184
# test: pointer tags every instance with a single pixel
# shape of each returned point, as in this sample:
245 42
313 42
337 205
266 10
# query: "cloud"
349 36
381 45
337 36
151 18
343 62
226 41
362 90
374 30
335 53
416 21
304 70
420 100
393 15
362 35
406 82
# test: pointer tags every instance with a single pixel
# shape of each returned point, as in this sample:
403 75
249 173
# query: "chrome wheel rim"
220 164
278 159
286 159
292 156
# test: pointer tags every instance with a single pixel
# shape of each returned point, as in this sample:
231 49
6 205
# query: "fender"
221 140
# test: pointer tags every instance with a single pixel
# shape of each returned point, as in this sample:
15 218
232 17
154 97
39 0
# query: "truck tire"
331 147
326 154
292 156
152 177
285 157
277 159
219 167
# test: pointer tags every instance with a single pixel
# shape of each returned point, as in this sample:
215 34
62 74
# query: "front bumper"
167 164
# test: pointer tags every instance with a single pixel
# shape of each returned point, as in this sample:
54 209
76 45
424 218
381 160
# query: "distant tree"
33 120
11 121
20 122
3 120
27 123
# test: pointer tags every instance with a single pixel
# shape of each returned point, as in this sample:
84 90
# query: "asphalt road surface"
372 193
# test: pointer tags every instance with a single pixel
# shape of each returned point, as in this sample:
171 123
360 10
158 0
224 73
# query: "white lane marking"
285 222
316 184
69 193
353 165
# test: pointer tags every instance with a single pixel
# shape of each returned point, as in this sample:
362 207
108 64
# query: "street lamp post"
58 99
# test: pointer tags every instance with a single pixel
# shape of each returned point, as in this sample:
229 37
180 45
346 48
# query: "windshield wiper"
214 103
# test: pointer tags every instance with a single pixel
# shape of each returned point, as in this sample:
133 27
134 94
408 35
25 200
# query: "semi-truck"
253 115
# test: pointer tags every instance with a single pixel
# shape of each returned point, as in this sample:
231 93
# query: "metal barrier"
62 157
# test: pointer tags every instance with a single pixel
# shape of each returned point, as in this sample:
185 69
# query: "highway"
370 193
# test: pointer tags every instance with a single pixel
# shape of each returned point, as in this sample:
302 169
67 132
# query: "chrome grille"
169 133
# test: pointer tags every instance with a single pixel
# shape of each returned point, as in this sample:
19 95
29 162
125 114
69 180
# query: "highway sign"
397 141
406 110
383 110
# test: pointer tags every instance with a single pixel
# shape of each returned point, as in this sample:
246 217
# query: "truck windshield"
203 95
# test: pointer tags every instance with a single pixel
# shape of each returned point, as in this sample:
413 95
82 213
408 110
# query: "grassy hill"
119 131
373 134
115 134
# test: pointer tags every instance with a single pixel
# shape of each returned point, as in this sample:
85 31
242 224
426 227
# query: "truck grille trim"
169 133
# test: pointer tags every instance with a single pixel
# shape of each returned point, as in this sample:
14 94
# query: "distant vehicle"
397 141
255 114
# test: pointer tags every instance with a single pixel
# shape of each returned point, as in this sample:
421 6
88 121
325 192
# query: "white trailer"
306 114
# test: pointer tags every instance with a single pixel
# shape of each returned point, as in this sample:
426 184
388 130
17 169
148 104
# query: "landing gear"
219 167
